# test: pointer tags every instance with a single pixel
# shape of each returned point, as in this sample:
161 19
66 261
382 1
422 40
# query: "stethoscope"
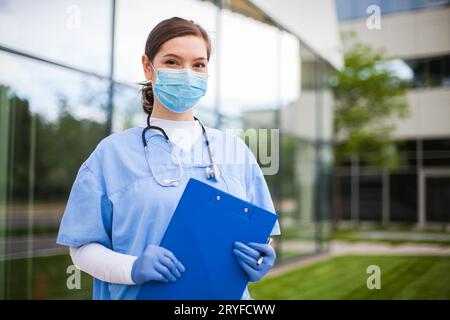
212 171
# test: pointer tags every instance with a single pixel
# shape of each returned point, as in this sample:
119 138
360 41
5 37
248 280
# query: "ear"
148 71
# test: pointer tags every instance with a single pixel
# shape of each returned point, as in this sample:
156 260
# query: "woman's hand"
156 264
248 255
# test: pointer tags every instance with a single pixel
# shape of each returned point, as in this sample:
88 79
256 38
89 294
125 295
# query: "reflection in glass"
263 72
128 110
51 119
55 119
76 32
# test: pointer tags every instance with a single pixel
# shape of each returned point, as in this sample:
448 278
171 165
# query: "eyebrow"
174 55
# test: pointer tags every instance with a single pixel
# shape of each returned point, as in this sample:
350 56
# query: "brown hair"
163 32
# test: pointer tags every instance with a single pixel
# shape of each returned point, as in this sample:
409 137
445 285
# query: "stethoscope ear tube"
152 127
212 171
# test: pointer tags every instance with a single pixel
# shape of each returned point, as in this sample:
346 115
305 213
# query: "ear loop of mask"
146 82
151 65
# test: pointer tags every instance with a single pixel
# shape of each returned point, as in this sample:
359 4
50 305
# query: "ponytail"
147 97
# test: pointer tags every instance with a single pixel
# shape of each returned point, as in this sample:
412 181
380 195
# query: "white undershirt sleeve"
103 263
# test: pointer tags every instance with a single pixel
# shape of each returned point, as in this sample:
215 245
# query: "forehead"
187 47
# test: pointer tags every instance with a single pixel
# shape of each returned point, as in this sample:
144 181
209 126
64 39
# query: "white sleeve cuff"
103 263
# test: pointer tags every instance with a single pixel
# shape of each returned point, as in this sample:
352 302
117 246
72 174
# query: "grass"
402 277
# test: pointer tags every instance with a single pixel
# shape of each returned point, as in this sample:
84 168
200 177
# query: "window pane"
248 75
128 110
446 77
403 197
436 70
76 32
55 119
420 71
437 199
370 197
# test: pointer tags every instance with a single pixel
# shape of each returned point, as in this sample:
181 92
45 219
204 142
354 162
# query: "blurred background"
359 89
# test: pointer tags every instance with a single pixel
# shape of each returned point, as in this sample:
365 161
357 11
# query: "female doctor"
126 191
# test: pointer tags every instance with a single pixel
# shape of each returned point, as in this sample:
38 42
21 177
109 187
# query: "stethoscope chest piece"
212 172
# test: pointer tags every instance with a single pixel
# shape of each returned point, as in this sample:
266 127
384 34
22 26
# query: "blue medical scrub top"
116 201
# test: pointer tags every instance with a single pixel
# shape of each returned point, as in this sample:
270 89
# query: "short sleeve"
258 191
88 214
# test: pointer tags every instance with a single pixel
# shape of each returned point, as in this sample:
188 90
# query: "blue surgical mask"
179 89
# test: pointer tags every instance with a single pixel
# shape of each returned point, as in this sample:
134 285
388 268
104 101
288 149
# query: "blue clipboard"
201 234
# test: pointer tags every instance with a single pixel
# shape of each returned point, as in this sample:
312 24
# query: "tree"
369 95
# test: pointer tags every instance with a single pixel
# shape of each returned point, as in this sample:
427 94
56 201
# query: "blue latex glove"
156 264
248 255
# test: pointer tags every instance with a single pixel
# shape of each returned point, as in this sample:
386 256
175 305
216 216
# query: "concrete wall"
429 114
408 34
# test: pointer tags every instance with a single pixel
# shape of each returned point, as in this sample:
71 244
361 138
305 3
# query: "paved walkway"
401 235
339 248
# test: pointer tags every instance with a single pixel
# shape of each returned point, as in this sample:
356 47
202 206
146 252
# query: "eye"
171 62
199 65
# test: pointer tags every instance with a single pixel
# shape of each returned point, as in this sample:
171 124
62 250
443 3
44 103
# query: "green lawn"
402 277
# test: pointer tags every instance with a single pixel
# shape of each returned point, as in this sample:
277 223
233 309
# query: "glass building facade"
69 73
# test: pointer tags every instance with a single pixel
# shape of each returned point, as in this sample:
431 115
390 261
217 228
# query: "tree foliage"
369 97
